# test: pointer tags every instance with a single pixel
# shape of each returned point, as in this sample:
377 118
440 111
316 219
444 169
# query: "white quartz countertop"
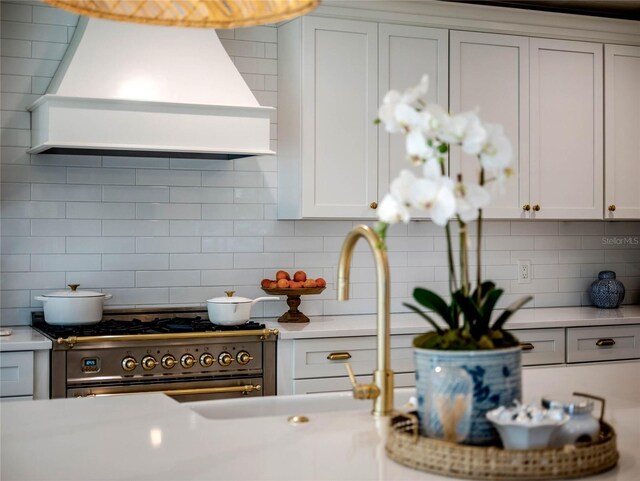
152 437
23 338
410 323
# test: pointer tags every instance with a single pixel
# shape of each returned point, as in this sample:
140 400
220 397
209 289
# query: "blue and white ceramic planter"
607 292
497 381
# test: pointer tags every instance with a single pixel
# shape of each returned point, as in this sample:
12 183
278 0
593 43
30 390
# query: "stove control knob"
225 359
129 363
244 357
206 360
187 360
168 361
148 363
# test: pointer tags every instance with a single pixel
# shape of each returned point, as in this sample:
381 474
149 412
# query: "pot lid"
230 299
74 292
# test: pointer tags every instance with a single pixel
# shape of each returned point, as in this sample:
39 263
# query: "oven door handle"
245 389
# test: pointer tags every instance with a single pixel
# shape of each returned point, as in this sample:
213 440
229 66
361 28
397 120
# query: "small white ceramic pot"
232 310
73 307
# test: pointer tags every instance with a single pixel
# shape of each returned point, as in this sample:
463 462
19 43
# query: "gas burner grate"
114 327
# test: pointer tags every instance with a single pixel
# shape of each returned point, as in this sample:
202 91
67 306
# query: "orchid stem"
452 272
479 244
464 259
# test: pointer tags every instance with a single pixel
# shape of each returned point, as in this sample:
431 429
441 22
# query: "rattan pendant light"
190 13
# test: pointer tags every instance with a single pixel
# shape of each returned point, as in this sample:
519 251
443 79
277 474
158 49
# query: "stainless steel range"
177 352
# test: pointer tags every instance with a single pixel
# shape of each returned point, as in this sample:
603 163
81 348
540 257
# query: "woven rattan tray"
406 446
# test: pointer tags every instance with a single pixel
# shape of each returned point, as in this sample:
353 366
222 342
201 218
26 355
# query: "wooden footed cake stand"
293 301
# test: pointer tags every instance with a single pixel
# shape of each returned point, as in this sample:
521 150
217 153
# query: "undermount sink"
289 405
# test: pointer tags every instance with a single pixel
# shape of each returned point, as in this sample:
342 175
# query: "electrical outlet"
524 271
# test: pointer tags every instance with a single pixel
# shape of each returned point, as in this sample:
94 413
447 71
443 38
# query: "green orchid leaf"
468 307
425 316
434 302
509 311
489 304
485 287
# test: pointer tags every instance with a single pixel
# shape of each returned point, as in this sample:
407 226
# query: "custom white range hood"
139 90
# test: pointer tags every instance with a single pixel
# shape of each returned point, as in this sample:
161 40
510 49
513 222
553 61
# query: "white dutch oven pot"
73 307
232 310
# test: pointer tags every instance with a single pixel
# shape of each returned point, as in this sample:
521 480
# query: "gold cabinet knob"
207 360
148 363
612 208
168 361
536 207
187 361
225 359
526 207
129 363
244 357
373 205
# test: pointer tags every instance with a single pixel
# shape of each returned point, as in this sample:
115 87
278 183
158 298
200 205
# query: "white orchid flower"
475 135
401 186
432 169
417 92
407 117
386 112
496 153
391 210
436 197
417 147
470 198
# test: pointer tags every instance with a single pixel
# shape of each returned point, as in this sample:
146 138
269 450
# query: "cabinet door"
340 97
490 74
622 126
406 54
566 129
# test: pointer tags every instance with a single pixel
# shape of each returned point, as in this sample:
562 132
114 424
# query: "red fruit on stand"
282 275
300 276
320 282
266 283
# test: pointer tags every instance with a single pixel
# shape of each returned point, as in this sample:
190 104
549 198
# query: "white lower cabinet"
607 343
24 375
318 365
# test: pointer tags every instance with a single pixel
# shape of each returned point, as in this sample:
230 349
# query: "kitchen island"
152 437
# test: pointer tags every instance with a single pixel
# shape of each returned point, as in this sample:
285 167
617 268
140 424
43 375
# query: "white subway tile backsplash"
10 119
135 228
113 193
191 295
65 262
167 278
65 227
98 210
54 16
127 262
200 228
39 85
167 244
16 12
137 296
11 299
256 65
232 277
136 162
232 179
551 271
168 177
33 173
15 48
14 263
31 245
168 211
101 279
16 101
48 50
32 280
9 191
580 256
232 211
232 244
200 164
15 227
257 34
100 245
241 48
28 31
266 228
201 261
67 160
29 66
15 84
89 193
101 176
202 195
263 260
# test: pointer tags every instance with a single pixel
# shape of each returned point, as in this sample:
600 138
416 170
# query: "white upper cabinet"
490 74
622 131
547 94
333 161
328 100
566 129
406 54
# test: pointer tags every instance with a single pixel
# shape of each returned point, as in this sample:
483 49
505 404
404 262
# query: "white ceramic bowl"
518 435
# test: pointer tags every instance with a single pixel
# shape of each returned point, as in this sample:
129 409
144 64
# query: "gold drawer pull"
339 356
527 346
605 342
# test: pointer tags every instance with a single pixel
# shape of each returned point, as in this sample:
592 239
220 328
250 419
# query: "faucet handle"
361 391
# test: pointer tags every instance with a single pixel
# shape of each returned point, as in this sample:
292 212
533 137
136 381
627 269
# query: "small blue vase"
607 292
